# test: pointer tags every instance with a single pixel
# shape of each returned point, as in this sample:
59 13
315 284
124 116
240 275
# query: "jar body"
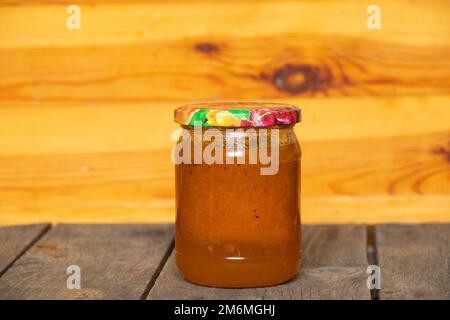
236 227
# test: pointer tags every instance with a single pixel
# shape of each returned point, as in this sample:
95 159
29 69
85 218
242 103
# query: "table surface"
135 261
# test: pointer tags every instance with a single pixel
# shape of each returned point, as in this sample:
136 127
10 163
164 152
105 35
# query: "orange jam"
237 227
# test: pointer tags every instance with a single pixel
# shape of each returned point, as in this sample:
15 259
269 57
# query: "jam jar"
237 173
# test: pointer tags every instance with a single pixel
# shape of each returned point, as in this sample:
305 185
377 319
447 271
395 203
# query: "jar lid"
237 114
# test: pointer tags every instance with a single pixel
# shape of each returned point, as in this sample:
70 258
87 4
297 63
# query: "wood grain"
86 115
142 55
334 267
130 21
138 186
43 127
233 69
14 241
403 165
116 262
414 261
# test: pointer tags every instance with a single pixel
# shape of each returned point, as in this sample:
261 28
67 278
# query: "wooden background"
86 115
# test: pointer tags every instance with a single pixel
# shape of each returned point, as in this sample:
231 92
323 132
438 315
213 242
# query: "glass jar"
237 219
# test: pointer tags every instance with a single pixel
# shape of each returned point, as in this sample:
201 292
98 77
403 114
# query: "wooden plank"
343 181
414 261
376 209
116 262
40 23
334 267
15 240
296 66
391 166
161 209
49 127
138 51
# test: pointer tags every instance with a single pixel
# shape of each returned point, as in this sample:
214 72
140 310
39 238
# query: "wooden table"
135 261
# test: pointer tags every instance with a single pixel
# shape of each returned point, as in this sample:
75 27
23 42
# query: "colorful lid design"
237 114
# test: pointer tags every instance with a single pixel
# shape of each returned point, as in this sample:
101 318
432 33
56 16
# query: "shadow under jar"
237 219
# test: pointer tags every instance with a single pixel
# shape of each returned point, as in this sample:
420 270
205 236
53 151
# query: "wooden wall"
86 115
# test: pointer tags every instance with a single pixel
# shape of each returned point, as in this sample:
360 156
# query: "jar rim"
237 114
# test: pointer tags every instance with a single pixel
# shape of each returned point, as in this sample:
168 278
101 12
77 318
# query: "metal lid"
237 114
